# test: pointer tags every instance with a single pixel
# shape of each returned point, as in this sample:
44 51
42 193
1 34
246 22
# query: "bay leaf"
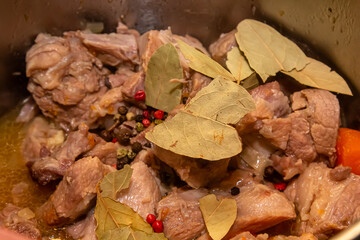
317 74
110 215
218 216
196 136
250 82
238 65
223 101
127 233
163 66
116 181
202 63
266 50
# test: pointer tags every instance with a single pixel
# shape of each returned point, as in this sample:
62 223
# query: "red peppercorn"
150 218
146 122
159 114
146 114
140 96
158 226
113 165
280 186
114 140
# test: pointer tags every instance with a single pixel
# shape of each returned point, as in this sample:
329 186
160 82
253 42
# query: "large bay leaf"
114 182
163 66
316 74
202 63
223 101
218 216
267 50
127 233
238 65
197 137
110 215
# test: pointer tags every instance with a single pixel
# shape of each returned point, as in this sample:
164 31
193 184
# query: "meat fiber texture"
20 221
76 193
328 200
48 154
301 134
258 208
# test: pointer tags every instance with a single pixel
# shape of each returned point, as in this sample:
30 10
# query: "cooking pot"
331 28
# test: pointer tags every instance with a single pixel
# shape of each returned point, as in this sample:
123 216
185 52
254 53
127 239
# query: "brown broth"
13 171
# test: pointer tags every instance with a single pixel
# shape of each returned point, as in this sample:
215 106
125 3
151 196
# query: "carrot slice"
348 149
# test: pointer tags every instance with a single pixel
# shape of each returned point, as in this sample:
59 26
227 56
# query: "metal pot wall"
330 27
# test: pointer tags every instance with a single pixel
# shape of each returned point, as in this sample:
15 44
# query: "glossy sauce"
14 171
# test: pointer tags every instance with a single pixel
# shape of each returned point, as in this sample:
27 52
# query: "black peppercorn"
123 110
123 136
136 147
184 100
235 191
122 118
147 145
139 118
121 162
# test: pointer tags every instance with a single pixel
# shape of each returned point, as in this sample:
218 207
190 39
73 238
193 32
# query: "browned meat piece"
288 166
76 193
20 220
181 214
54 164
322 111
150 41
195 84
305 236
143 193
19 192
325 205
270 103
84 229
195 172
300 144
48 52
41 139
113 48
65 79
134 84
258 208
105 151
277 131
108 103
121 76
28 111
220 47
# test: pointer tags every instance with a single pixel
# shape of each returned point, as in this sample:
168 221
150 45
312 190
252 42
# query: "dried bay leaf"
110 215
114 182
197 137
126 233
316 74
202 63
218 216
238 65
266 50
250 82
163 66
223 101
